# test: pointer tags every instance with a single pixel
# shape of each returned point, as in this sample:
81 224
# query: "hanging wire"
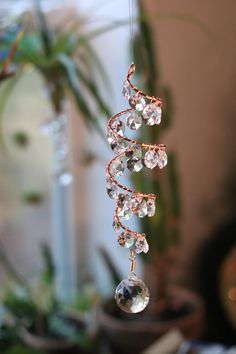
131 28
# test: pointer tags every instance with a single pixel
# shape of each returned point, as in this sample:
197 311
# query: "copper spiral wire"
130 144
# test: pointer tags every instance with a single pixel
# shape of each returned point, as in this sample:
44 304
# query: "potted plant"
35 314
169 306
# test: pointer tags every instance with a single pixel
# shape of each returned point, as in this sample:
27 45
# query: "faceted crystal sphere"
134 120
132 295
152 114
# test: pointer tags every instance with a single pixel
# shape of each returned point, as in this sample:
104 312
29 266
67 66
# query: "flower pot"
133 333
47 344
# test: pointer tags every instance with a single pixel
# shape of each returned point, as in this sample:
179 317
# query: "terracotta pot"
135 334
46 344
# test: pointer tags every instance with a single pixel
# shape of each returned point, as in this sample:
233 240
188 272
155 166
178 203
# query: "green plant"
35 306
66 61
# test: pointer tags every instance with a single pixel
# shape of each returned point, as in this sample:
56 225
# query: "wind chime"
132 295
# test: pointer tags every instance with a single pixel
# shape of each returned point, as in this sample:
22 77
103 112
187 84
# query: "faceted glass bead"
141 245
112 191
124 205
124 214
139 206
116 225
119 145
162 159
151 159
138 102
151 207
135 202
111 138
132 295
118 166
126 90
134 164
118 127
152 114
124 201
134 120
135 151
126 239
141 211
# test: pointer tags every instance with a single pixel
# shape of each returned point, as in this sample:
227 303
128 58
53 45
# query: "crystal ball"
132 295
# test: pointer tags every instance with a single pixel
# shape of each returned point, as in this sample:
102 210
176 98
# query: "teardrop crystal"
151 159
152 114
162 159
134 120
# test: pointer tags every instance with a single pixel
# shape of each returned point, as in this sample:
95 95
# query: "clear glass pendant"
132 295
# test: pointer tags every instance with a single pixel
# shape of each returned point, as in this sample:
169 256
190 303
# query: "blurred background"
63 64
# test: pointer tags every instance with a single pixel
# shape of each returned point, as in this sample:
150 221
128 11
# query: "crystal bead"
126 90
118 127
132 295
141 245
135 151
139 206
162 159
126 239
124 205
118 166
116 226
124 201
111 138
134 164
151 207
141 209
119 146
151 159
138 102
152 114
134 120
124 214
112 191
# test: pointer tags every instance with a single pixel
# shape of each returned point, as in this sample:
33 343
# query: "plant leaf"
45 32
93 89
71 74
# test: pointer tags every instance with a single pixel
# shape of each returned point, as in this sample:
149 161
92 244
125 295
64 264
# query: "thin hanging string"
131 28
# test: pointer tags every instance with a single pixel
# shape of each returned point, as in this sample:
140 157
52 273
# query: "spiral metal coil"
145 109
